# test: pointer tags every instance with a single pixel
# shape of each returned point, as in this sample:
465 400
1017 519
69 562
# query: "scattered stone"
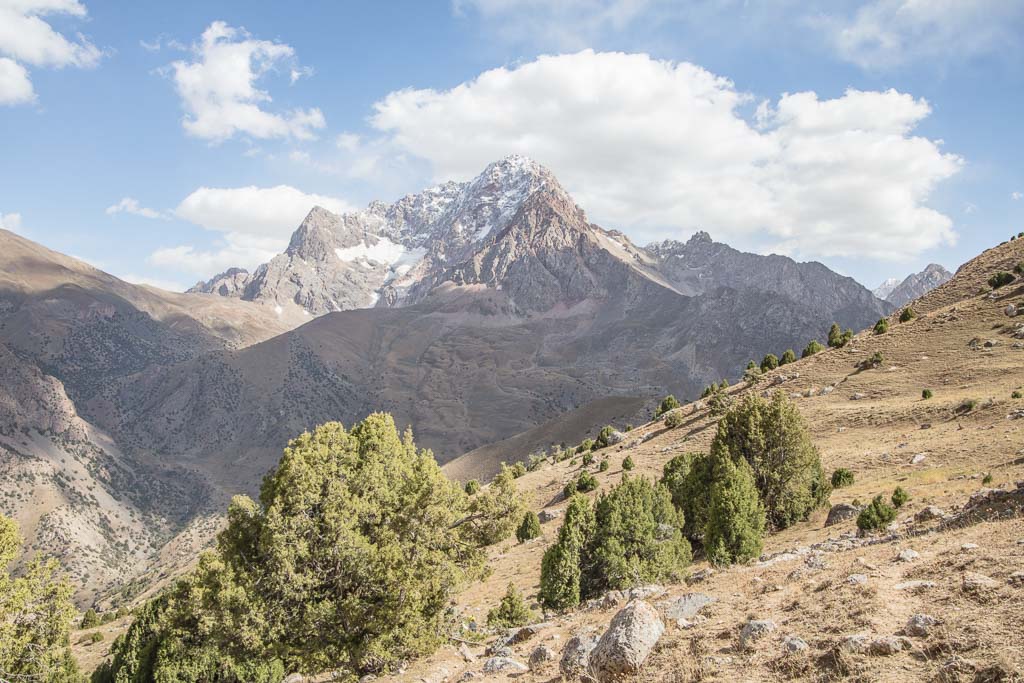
926 425
840 512
991 343
908 555
929 513
974 582
914 585
889 645
858 396
755 630
439 676
549 515
857 643
816 560
704 575
857 579
919 625
523 634
686 606
624 647
1016 579
794 644
644 592
918 459
1010 310
464 652
498 664
616 437
576 655
687 624
469 675
967 547
611 599
368 678
541 655
294 678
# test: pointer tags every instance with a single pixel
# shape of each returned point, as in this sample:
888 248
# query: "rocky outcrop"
914 285
576 656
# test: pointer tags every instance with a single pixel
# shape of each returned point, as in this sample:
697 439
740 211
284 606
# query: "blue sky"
166 141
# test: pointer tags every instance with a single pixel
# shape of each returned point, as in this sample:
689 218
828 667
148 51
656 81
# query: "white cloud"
15 86
10 221
646 144
256 222
1015 196
219 93
887 33
26 37
130 205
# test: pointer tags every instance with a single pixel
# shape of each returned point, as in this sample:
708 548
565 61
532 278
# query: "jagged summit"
900 293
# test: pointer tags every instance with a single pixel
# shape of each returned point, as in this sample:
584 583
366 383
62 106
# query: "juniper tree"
772 437
736 518
688 479
560 570
529 527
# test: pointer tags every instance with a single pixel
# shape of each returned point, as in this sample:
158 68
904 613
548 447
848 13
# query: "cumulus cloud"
256 223
26 37
663 148
130 205
1015 196
219 92
887 33
160 283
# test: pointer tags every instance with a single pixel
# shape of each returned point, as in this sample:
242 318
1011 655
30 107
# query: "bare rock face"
626 644
230 283
917 285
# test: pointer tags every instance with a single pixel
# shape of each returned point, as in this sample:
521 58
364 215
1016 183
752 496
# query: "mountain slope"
918 284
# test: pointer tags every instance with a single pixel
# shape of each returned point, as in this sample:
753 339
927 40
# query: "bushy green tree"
560 569
588 458
603 467
772 437
35 617
882 326
813 347
770 362
926 394
1000 279
899 497
841 478
719 402
495 511
627 463
876 516
586 482
637 538
668 403
348 561
736 519
529 527
517 470
688 479
603 439
472 487
907 315
585 446
837 338
90 619
511 612
787 357
673 419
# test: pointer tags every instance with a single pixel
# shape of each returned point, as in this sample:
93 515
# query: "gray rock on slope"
576 655
625 646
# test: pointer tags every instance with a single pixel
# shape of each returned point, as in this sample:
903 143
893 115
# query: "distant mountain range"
901 292
475 312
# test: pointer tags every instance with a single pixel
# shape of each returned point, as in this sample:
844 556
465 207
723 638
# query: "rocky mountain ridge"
901 292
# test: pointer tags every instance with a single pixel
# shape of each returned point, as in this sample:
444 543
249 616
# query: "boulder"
889 645
857 579
755 630
523 634
466 654
541 655
918 459
919 625
503 664
616 437
685 606
1010 310
703 575
840 512
973 582
624 647
644 592
549 515
857 643
294 678
576 656
914 585
1016 578
794 644
908 555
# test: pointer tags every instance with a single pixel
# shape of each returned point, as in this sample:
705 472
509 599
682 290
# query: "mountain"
917 285
478 313
883 290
